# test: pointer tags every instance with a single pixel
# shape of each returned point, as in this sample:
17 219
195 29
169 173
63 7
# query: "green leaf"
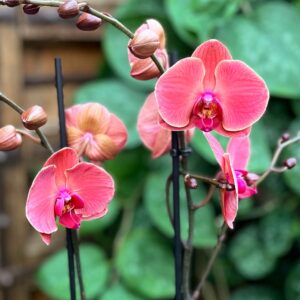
291 177
260 151
248 254
275 231
276 43
118 99
94 226
52 277
195 20
255 292
145 264
205 234
119 292
292 283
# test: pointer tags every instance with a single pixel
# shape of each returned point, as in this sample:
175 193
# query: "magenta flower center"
207 112
68 208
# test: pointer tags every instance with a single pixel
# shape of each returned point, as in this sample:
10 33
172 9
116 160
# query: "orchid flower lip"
207 111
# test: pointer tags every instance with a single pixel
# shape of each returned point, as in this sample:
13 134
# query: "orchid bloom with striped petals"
211 91
67 190
233 164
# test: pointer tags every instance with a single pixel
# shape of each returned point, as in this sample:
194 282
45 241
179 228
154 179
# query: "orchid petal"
250 191
216 148
41 200
243 94
97 215
229 199
93 185
70 220
71 115
220 130
63 159
211 53
239 150
176 91
46 238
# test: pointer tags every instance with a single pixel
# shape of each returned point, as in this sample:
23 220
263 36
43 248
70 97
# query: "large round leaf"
119 292
145 263
255 292
53 279
273 30
248 254
119 99
292 284
205 234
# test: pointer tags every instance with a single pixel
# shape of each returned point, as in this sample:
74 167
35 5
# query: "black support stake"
64 143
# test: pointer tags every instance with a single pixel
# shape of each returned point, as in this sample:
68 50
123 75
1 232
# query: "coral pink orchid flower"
211 91
95 132
69 190
233 164
153 135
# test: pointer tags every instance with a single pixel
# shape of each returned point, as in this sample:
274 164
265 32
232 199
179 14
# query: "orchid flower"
69 190
211 91
95 132
233 164
154 136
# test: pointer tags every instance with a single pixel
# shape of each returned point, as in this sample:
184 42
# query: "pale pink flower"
95 132
211 91
153 135
69 190
233 164
144 69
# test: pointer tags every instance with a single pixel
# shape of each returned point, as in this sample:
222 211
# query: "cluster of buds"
32 119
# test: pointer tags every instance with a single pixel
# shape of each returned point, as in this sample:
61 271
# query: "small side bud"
144 44
88 22
69 9
285 137
290 162
9 138
190 182
12 3
34 117
31 9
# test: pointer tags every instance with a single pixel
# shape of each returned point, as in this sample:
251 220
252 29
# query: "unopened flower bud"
251 178
88 22
285 137
9 138
34 117
290 162
144 69
144 44
12 3
31 9
190 182
69 9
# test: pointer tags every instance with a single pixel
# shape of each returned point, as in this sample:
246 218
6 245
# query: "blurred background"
127 255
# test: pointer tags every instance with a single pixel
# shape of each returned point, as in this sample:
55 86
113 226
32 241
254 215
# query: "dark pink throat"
207 112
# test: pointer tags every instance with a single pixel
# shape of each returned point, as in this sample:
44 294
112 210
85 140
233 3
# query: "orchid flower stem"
188 245
29 136
275 158
211 261
206 200
44 141
106 17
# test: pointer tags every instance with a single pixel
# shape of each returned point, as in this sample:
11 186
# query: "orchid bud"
69 9
88 22
285 137
251 178
34 117
144 44
12 3
31 9
9 138
290 162
144 69
190 182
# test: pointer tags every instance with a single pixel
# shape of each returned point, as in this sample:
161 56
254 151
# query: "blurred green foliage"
131 254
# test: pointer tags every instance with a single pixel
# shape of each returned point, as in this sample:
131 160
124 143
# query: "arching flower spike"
153 135
95 132
211 91
69 190
233 164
